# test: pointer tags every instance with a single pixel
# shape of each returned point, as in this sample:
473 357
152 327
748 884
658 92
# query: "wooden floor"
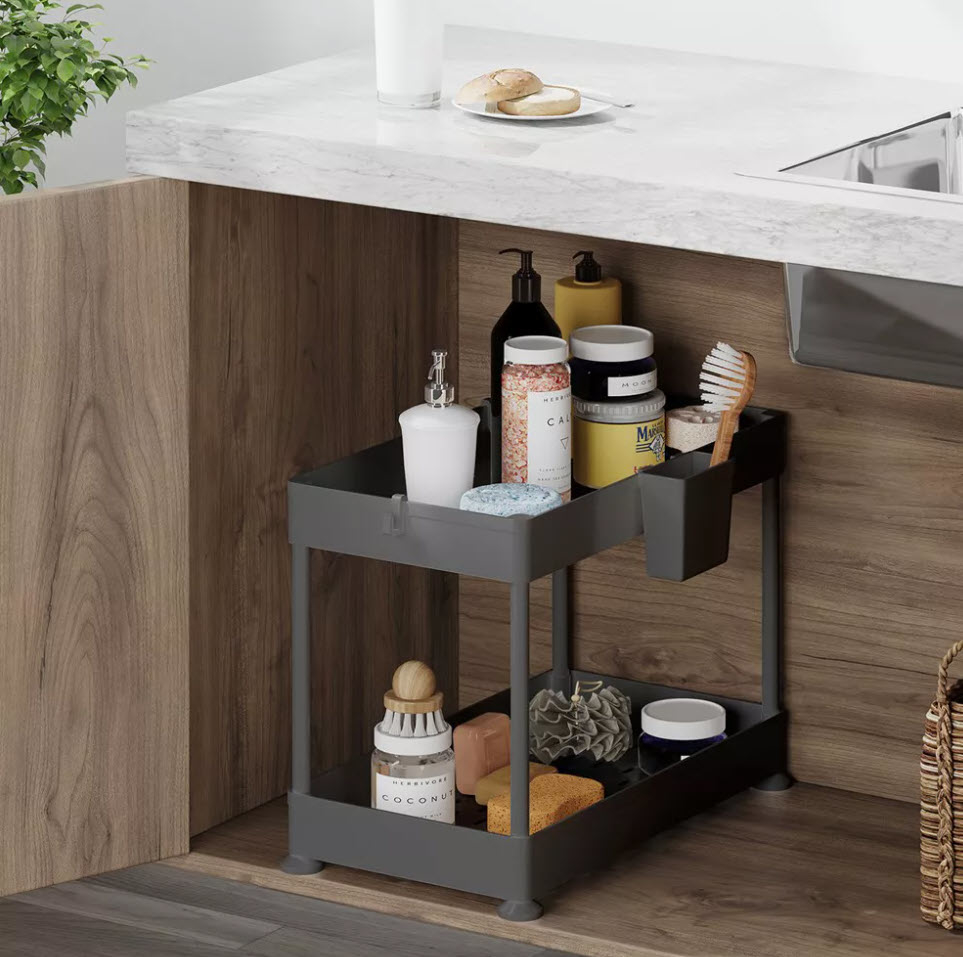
810 871
158 911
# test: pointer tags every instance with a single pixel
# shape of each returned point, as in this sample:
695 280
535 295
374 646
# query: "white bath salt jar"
413 764
537 413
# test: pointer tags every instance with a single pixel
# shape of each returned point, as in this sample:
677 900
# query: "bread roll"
499 85
549 101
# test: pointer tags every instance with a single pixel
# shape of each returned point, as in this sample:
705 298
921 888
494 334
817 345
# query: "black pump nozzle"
587 270
526 283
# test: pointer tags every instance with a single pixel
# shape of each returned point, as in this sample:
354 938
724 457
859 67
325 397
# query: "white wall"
198 44
921 38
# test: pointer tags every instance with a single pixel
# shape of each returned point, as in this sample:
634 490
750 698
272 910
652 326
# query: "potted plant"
51 71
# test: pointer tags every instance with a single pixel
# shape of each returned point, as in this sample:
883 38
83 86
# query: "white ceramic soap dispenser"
439 442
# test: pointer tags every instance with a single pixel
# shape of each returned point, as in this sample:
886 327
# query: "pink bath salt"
536 425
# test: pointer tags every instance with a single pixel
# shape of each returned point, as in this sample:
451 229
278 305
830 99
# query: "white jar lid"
684 719
612 343
536 350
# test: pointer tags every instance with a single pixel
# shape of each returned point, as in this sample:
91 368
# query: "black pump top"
526 283
587 270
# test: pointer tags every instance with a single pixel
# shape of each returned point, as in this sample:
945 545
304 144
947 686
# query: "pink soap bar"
481 746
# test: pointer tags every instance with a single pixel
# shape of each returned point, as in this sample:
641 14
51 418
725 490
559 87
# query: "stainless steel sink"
878 325
926 156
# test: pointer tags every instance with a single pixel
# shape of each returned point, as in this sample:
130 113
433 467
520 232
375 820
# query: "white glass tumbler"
408 43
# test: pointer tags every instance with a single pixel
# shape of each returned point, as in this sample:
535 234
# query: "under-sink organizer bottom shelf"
357 506
336 824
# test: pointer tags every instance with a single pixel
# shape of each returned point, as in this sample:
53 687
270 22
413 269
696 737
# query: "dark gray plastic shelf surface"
336 824
357 506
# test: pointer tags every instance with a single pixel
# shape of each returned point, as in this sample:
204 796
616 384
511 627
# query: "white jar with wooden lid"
413 764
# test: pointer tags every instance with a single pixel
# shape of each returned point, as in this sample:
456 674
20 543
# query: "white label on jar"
432 797
550 439
633 384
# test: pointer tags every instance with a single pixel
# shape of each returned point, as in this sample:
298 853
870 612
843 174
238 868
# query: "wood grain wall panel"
312 325
873 523
93 530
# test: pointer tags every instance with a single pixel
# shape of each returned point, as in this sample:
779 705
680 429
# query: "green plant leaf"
52 68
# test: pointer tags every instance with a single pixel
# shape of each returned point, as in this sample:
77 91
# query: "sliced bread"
548 101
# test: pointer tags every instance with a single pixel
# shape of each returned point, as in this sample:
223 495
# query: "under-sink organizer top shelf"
356 506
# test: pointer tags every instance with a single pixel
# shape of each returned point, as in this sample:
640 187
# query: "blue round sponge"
510 499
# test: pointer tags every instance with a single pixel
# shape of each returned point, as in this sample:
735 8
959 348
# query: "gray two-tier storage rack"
357 507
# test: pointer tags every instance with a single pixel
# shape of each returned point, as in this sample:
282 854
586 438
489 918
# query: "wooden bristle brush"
726 383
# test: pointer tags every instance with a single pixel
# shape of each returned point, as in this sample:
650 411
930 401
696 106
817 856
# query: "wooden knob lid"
413 690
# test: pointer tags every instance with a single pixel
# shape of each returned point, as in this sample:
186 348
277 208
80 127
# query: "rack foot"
519 910
775 782
293 864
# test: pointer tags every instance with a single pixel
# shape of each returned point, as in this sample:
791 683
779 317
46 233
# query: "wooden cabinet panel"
93 530
312 326
171 355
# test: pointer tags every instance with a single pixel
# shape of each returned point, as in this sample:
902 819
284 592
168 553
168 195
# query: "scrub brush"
413 705
726 384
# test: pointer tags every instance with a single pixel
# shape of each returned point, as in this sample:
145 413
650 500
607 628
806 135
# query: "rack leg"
561 665
519 910
300 695
519 707
772 617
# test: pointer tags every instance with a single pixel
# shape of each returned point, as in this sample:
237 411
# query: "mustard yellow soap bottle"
586 299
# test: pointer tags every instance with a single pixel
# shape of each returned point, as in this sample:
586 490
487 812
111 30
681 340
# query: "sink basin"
926 156
878 325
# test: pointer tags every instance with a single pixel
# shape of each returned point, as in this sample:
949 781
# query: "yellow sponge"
551 798
498 782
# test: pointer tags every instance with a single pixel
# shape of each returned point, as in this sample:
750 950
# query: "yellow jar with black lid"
615 439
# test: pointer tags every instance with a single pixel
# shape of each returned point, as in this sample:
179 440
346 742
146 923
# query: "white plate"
587 108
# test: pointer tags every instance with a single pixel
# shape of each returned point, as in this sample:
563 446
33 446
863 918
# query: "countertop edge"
676 215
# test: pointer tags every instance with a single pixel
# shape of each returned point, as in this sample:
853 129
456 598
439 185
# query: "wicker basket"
941 803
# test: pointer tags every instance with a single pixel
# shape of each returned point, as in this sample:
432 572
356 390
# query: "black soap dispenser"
525 316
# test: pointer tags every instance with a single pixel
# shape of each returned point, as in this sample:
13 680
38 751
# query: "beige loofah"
597 723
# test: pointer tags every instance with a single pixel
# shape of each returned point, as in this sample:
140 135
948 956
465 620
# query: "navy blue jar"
675 728
612 362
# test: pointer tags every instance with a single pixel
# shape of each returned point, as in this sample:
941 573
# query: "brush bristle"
723 375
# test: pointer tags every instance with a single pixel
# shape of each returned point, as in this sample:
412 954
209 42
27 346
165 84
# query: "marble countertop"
693 164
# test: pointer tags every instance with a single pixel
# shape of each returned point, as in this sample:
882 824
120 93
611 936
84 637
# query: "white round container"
683 719
408 52
612 344
414 775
